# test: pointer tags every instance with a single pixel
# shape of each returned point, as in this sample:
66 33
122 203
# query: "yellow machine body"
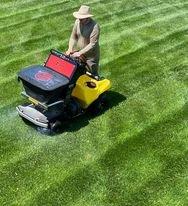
87 89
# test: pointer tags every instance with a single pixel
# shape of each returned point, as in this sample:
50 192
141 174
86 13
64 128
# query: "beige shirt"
85 38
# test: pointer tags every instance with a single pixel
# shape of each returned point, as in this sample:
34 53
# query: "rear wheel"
98 105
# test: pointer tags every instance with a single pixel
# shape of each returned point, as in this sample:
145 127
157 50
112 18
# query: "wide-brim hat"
83 12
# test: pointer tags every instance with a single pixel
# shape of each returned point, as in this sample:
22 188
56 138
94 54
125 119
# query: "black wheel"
98 105
55 126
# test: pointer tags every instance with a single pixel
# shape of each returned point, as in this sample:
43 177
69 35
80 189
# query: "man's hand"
68 52
76 54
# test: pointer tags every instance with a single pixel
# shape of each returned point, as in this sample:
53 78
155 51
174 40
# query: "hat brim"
77 15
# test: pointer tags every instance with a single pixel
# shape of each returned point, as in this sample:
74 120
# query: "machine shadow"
112 99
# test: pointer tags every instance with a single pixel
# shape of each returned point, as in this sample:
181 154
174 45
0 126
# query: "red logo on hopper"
43 76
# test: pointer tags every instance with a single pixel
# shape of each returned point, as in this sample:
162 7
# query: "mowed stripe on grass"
46 41
128 155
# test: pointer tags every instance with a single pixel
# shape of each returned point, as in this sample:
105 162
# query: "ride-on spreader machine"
59 90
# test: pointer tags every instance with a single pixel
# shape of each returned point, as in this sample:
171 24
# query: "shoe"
97 77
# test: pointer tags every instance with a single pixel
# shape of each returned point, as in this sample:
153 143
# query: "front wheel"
55 126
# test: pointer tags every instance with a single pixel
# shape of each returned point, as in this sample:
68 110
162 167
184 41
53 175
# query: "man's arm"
94 38
73 38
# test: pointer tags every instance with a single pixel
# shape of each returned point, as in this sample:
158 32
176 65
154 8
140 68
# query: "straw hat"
83 12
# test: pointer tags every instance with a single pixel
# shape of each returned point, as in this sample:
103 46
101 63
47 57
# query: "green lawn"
133 154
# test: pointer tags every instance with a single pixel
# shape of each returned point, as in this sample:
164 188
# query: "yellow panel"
87 95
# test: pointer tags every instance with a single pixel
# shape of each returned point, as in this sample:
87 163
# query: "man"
84 40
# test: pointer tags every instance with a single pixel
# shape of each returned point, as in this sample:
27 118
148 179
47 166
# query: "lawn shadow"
112 100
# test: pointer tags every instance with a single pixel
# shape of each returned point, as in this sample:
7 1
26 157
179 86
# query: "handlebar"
81 61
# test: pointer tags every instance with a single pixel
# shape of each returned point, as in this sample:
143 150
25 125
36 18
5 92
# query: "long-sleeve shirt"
85 38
